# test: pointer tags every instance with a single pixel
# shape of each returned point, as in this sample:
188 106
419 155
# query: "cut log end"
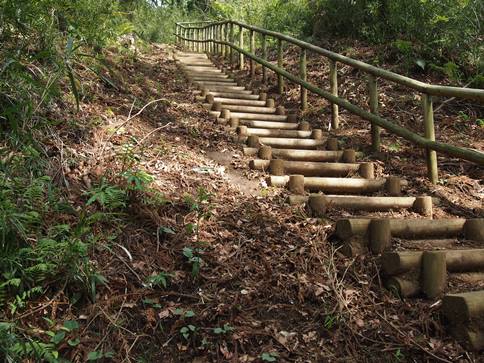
296 184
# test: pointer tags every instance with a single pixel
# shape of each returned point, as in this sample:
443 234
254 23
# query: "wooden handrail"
377 121
431 89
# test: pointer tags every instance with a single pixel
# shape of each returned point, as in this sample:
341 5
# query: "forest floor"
221 269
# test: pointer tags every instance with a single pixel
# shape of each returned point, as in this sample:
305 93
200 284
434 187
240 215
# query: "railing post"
217 37
222 38
241 45
210 36
429 129
280 79
303 76
227 39
232 40
375 129
252 51
185 35
264 56
176 33
333 83
192 36
204 31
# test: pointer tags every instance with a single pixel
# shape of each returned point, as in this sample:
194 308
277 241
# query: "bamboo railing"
220 37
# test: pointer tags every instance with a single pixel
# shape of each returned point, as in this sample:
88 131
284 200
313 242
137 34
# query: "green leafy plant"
192 254
109 197
223 330
159 280
269 357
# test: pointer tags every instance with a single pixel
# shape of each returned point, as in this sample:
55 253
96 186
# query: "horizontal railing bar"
462 153
431 89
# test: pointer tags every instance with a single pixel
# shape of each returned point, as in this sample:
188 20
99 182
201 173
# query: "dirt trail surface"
270 286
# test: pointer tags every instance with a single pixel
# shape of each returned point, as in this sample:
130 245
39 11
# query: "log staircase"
422 257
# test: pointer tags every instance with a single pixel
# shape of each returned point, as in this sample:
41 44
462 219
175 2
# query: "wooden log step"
465 313
208 84
243 95
415 228
279 167
201 70
397 263
219 86
289 143
410 286
239 102
212 79
197 63
232 90
257 116
328 185
298 134
270 124
248 109
346 156
319 203
199 67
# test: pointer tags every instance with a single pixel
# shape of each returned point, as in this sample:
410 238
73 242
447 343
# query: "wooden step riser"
319 204
414 228
330 185
308 169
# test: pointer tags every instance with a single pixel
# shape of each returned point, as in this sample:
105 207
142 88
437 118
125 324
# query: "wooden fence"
226 38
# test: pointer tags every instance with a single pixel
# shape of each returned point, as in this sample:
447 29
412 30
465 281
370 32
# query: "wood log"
238 95
270 124
307 155
422 228
291 143
379 235
365 203
296 184
402 287
259 116
309 168
265 153
474 229
228 90
465 313
249 109
235 101
279 133
250 151
328 184
469 260
434 273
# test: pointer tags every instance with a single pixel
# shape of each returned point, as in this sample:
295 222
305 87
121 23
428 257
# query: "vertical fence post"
217 37
333 81
210 36
227 39
304 77
375 129
204 35
190 35
222 38
232 40
252 51
176 33
241 45
429 129
280 79
264 56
